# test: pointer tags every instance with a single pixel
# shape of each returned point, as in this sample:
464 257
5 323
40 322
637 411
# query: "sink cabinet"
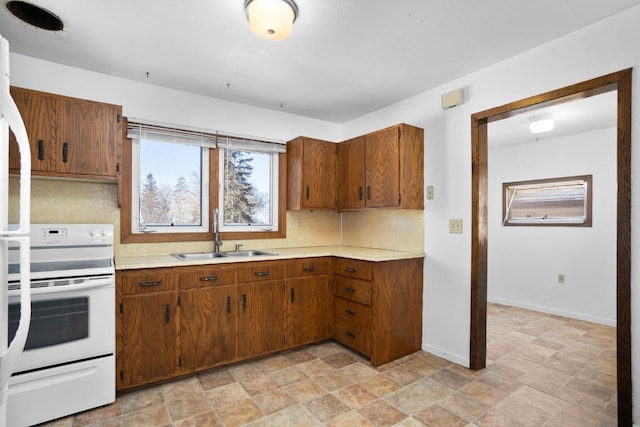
208 316
260 308
383 169
180 320
146 327
69 137
311 174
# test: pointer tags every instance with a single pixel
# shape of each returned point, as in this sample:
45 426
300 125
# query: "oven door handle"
88 284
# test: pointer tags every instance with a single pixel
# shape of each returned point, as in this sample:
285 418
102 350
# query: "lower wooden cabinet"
378 307
307 297
147 328
174 321
208 317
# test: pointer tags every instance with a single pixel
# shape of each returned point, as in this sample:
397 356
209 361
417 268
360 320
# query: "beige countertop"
353 252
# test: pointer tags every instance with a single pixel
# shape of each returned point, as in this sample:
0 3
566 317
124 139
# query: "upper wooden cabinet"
311 174
69 137
383 169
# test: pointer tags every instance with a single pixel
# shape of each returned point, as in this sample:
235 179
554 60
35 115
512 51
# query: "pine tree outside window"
179 176
248 190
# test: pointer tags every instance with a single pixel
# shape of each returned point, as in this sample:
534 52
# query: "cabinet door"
88 138
38 112
149 336
382 168
319 174
208 326
261 318
307 309
351 174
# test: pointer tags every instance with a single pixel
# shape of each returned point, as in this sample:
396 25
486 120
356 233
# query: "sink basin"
247 253
197 256
191 256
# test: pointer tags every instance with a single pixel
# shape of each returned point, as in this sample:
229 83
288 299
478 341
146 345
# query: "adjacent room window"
556 201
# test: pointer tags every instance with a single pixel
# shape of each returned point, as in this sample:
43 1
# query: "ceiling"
344 58
577 116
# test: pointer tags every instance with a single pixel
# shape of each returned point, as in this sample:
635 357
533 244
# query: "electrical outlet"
430 192
561 278
455 226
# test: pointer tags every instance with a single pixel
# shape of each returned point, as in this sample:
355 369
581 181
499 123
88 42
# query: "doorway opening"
620 82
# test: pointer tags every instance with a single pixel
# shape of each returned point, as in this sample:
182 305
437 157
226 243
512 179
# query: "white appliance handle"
92 284
10 114
10 356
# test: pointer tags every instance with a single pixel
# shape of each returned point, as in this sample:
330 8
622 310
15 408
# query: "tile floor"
543 370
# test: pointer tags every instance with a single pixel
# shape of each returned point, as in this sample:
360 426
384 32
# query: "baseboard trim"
550 310
460 360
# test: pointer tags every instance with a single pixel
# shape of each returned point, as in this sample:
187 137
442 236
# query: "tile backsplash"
67 201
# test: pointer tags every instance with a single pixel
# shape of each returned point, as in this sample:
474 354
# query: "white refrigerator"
10 120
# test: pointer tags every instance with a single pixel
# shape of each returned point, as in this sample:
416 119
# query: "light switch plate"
455 226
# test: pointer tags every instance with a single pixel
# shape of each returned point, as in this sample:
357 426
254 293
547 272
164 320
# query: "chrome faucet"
216 232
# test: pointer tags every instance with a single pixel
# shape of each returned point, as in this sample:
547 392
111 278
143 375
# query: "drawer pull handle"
360 193
350 290
65 152
149 284
228 305
350 334
309 269
244 302
307 192
209 279
350 312
350 270
261 273
167 313
368 192
293 295
40 149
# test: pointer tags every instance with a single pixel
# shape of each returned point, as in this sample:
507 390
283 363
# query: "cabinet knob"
65 152
40 149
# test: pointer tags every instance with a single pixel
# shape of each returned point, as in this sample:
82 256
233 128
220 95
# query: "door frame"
620 81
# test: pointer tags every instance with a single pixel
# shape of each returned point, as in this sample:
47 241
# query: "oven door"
71 320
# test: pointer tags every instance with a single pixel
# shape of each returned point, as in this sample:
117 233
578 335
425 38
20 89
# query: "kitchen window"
556 201
177 177
248 190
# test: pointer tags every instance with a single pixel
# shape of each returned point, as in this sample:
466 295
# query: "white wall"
524 262
149 102
605 47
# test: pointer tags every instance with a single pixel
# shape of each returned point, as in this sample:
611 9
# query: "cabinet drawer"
308 267
259 271
352 268
142 281
353 335
207 276
352 289
352 312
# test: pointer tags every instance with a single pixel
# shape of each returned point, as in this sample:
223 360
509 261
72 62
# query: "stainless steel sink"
247 253
197 256
191 256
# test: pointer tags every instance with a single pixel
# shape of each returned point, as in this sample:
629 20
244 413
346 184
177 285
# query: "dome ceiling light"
541 124
271 19
35 15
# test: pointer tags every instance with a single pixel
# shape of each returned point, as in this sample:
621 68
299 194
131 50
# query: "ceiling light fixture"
271 19
540 124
